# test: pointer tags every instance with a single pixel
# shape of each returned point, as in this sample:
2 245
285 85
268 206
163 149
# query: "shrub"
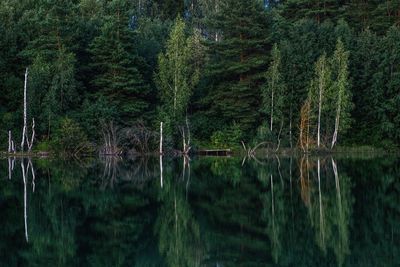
227 138
70 139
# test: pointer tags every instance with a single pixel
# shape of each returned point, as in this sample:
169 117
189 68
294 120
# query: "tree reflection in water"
206 212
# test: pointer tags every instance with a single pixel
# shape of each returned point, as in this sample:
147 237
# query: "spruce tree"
367 93
238 58
390 73
313 9
116 65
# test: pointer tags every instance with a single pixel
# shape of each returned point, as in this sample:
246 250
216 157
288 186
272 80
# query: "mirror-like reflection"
307 211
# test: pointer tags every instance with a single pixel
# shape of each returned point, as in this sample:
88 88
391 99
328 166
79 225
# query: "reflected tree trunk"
24 177
321 217
161 170
11 164
161 138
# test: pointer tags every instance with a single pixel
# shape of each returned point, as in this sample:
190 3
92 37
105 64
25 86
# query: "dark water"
203 212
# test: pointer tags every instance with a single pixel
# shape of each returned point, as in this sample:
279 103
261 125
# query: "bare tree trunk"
319 116
188 133
184 140
24 129
279 137
30 144
9 142
161 138
272 107
290 128
334 138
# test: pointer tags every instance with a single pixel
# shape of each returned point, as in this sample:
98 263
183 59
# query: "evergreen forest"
306 74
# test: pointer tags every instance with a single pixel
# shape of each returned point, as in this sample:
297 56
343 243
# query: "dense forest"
292 73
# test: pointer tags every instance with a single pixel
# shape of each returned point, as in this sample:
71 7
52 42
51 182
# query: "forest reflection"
307 211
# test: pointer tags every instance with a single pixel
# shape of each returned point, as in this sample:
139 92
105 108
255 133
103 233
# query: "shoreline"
283 152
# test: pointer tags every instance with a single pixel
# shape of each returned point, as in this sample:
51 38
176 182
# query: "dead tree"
11 146
24 129
185 131
304 126
9 141
25 138
110 146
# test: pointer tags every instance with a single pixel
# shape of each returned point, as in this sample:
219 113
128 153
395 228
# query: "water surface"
200 212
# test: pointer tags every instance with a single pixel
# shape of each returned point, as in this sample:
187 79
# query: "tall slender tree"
273 92
319 88
341 90
178 74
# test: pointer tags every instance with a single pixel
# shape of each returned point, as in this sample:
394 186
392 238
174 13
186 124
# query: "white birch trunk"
24 129
184 140
188 135
30 143
319 116
272 107
335 134
161 138
290 129
9 142
279 137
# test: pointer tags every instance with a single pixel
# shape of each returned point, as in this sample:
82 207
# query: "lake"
309 211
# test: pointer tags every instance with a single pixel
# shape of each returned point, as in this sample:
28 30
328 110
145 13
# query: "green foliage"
227 138
121 61
177 76
70 139
341 85
238 58
274 91
116 66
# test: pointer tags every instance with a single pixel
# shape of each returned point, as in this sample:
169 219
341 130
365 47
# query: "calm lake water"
200 212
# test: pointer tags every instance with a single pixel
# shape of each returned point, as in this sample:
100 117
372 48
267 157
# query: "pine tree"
53 86
115 66
314 9
238 57
367 93
390 72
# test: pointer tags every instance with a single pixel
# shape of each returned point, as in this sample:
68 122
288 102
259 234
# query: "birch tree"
341 90
318 90
178 74
273 92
